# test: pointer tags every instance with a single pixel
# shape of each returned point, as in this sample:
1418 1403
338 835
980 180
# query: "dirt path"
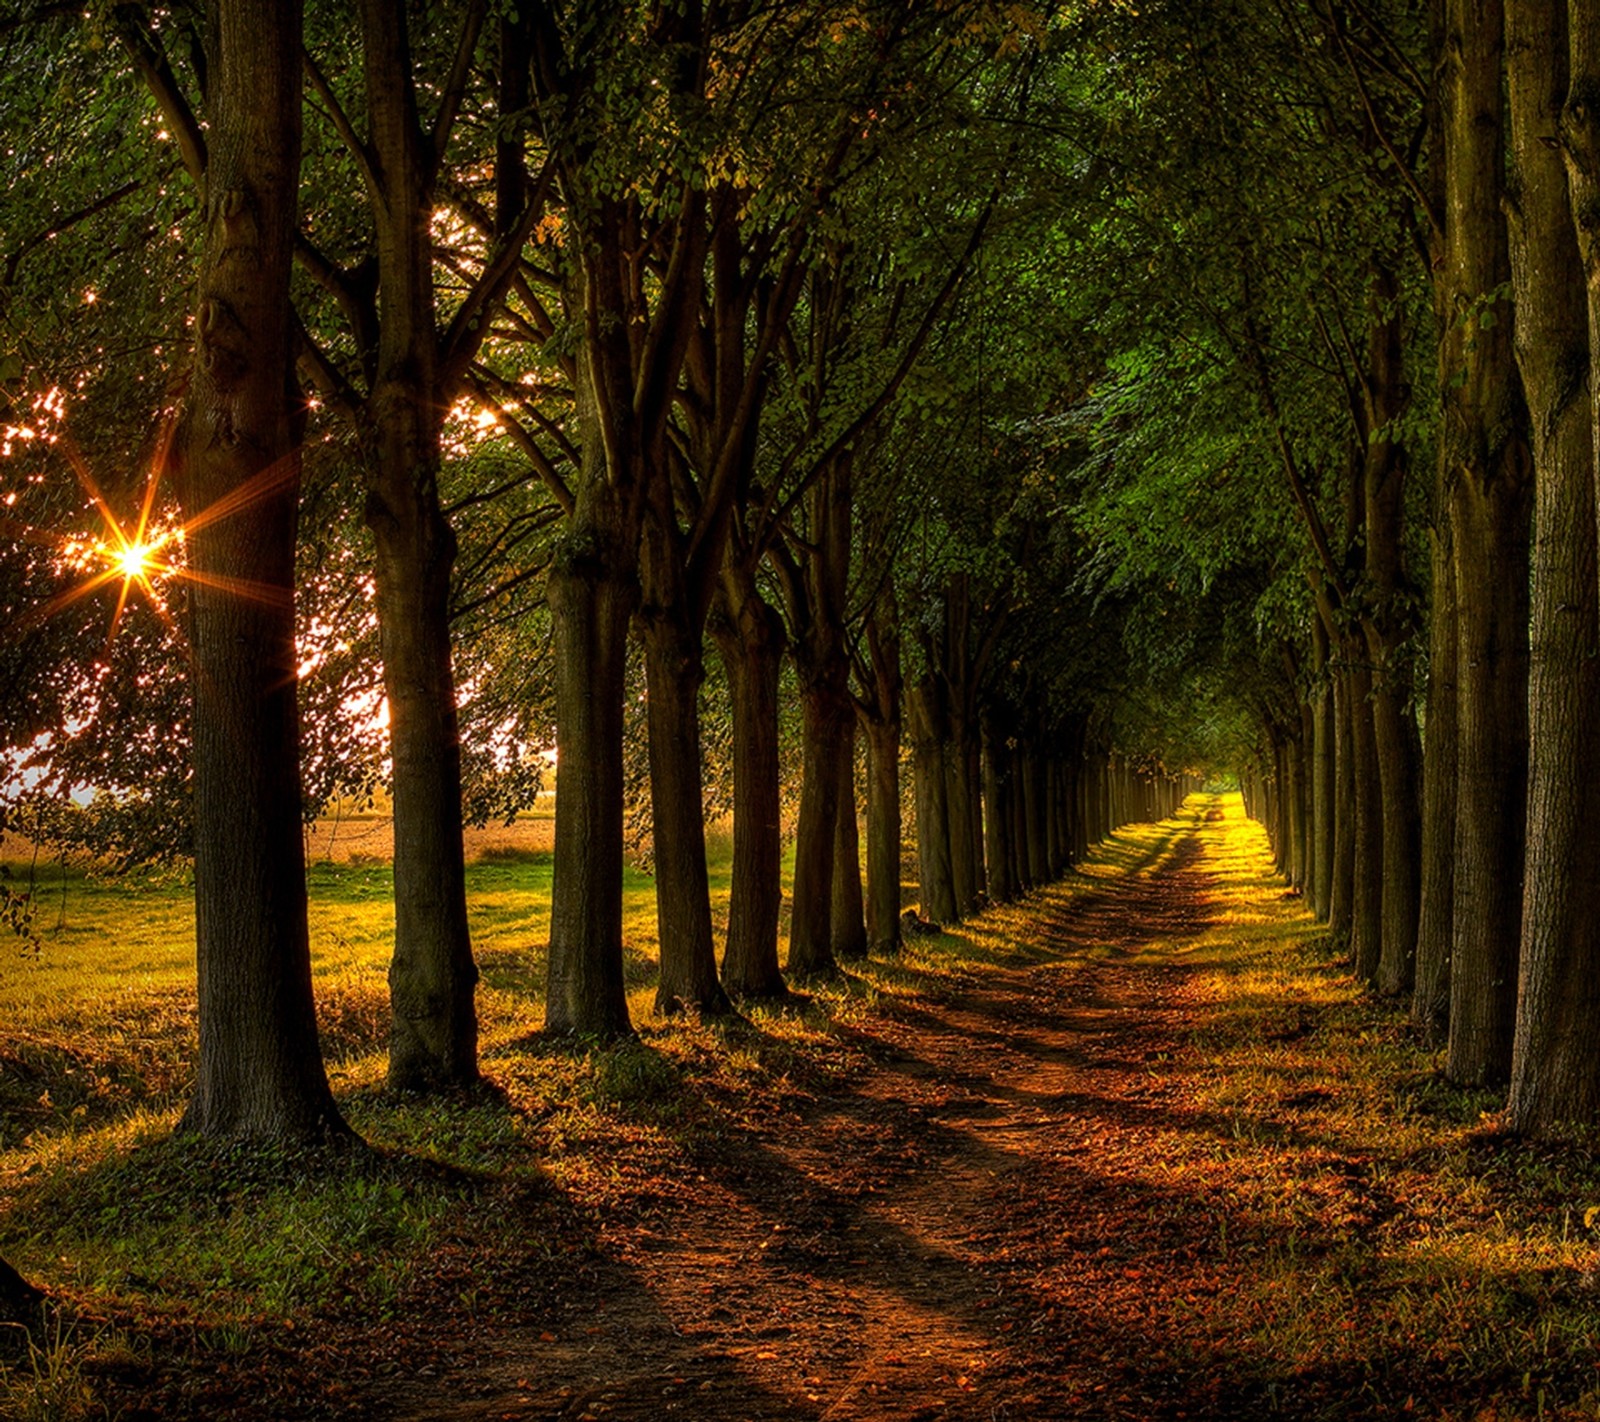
969 1231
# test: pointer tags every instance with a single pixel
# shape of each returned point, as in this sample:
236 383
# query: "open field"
1134 1148
102 1019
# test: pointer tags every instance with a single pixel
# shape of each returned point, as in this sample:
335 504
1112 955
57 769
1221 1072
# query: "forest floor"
1143 1152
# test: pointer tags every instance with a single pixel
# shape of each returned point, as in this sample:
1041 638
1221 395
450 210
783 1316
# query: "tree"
1554 1081
1488 476
235 465
393 374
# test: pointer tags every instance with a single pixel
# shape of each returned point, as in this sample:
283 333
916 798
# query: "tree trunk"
1017 819
1305 754
962 810
883 836
592 598
816 588
972 757
1054 840
673 674
996 817
260 1074
1398 754
1430 996
1555 1077
1282 800
823 717
1322 778
750 638
1366 938
1388 627
936 887
1484 444
1489 529
433 1035
433 1039
1033 793
1342 886
882 722
1294 755
848 915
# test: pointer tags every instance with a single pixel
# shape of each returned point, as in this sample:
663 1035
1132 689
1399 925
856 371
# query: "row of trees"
652 333
1402 332
1034 398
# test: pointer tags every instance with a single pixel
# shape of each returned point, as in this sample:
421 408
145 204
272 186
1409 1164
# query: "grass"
216 1253
1375 1225
1395 1233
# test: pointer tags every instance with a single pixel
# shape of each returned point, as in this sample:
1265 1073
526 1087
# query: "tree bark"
883 836
1054 836
1430 997
433 1038
849 924
936 887
1299 817
816 587
1033 813
671 619
996 817
592 600
1017 818
1366 935
1388 627
960 808
1489 532
880 711
1555 1075
1322 777
1487 473
823 714
673 674
1342 886
750 637
237 459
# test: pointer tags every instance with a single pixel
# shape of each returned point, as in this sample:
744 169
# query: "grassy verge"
187 1267
1396 1241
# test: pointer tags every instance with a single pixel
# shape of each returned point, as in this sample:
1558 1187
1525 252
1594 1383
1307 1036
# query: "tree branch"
470 325
456 85
525 442
326 377
59 225
340 120
150 59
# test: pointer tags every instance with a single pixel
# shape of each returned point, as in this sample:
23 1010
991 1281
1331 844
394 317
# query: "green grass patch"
215 1252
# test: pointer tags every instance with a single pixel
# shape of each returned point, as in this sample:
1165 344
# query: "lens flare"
141 553
133 561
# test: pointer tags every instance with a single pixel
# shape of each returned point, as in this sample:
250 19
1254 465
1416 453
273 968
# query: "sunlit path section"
1013 1213
1150 1157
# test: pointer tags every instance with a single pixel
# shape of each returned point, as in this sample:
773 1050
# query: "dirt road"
973 1230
